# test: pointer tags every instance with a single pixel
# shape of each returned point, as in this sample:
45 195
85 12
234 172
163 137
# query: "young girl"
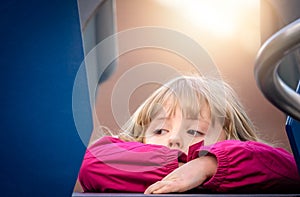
191 134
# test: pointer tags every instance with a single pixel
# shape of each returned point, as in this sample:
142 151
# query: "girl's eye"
195 133
160 131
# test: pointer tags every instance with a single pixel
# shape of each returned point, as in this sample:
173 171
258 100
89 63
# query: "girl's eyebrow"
161 118
189 118
206 122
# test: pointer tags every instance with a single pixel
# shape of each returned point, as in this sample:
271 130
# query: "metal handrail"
267 62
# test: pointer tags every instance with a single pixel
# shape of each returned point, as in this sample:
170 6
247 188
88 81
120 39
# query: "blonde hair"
190 93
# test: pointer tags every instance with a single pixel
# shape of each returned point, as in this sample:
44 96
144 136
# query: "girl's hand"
186 177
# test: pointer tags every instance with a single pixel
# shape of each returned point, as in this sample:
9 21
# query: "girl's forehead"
172 107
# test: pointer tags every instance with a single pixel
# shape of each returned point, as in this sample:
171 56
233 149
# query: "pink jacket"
112 165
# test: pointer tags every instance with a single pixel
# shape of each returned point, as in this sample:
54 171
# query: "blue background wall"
41 51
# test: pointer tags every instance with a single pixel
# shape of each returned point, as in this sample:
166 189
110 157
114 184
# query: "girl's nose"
175 141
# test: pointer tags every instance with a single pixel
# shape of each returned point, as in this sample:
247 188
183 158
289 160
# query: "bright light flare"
219 17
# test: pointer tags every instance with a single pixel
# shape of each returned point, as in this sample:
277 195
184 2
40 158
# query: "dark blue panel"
41 51
293 132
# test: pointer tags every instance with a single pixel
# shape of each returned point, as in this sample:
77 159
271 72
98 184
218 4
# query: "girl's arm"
251 167
186 177
114 165
234 166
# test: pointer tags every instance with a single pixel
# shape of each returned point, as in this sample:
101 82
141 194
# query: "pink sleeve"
112 165
251 167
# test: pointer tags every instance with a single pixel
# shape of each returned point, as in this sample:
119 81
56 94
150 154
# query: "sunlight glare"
218 17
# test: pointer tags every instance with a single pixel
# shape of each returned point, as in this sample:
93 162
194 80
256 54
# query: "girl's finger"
161 187
167 188
153 187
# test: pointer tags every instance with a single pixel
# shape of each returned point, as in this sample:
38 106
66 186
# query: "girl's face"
176 131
